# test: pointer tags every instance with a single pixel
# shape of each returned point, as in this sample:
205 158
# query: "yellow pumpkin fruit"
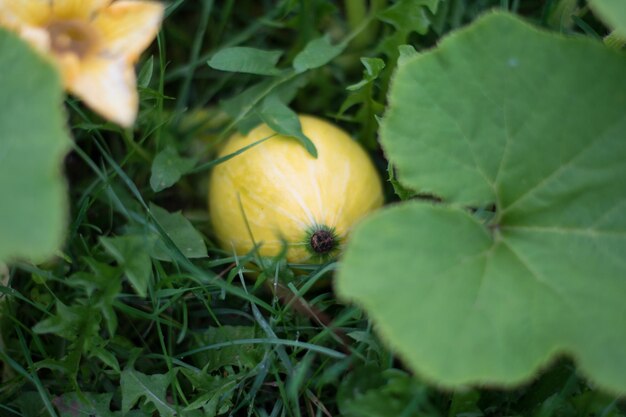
277 195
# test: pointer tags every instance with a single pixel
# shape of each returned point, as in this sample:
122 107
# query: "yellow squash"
276 194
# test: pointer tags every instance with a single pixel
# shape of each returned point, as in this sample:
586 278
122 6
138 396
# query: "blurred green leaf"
406 52
106 357
317 53
152 388
373 67
284 121
465 404
560 14
244 356
69 322
557 406
33 142
251 99
494 302
102 285
132 254
362 95
410 15
168 167
145 74
30 404
85 404
245 59
215 391
597 403
401 191
407 17
371 392
613 13
188 240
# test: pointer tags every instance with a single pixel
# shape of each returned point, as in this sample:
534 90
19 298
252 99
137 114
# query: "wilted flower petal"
129 27
94 43
17 13
108 87
77 9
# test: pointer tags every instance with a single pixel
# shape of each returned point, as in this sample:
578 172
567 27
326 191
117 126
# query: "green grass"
206 339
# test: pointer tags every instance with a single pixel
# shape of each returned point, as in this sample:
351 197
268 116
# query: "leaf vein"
559 169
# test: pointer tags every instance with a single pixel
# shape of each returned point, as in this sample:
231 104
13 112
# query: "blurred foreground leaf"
33 142
502 115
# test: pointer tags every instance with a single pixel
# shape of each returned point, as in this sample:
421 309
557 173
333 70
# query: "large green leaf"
33 141
535 124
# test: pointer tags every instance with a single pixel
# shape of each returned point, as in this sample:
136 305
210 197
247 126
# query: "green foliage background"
140 314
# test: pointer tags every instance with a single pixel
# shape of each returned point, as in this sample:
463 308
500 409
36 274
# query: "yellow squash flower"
94 43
